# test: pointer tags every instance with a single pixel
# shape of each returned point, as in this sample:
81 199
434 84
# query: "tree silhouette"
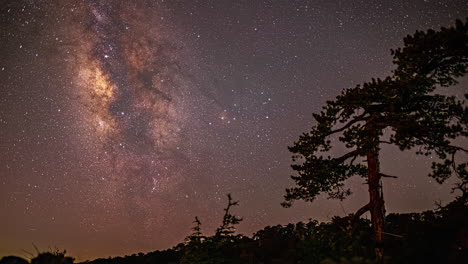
55 257
400 110
197 235
13 260
227 228
221 248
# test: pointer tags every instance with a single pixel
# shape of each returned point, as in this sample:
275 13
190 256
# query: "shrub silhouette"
56 257
13 260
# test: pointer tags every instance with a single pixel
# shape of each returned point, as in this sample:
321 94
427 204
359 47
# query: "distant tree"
222 248
400 110
197 235
227 227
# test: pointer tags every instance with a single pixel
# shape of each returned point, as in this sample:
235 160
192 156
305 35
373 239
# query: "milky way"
135 95
120 121
136 98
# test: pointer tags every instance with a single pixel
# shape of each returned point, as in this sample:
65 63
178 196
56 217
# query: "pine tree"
197 235
401 110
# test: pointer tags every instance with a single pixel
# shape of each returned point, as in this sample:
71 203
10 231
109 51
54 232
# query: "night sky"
120 121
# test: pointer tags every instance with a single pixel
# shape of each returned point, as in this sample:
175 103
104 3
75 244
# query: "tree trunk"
377 206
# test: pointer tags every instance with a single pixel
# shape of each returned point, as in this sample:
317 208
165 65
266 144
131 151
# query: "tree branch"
347 156
350 123
456 148
387 176
390 234
459 148
361 211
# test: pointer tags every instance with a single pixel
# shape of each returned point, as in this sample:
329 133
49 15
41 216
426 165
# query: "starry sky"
122 120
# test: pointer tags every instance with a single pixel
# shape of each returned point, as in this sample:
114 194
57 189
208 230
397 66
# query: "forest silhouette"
419 119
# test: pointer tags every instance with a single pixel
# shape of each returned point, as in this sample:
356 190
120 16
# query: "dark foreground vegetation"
439 236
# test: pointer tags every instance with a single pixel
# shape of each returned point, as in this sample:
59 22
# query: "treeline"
439 236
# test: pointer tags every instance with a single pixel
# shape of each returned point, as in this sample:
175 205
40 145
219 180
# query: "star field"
120 121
